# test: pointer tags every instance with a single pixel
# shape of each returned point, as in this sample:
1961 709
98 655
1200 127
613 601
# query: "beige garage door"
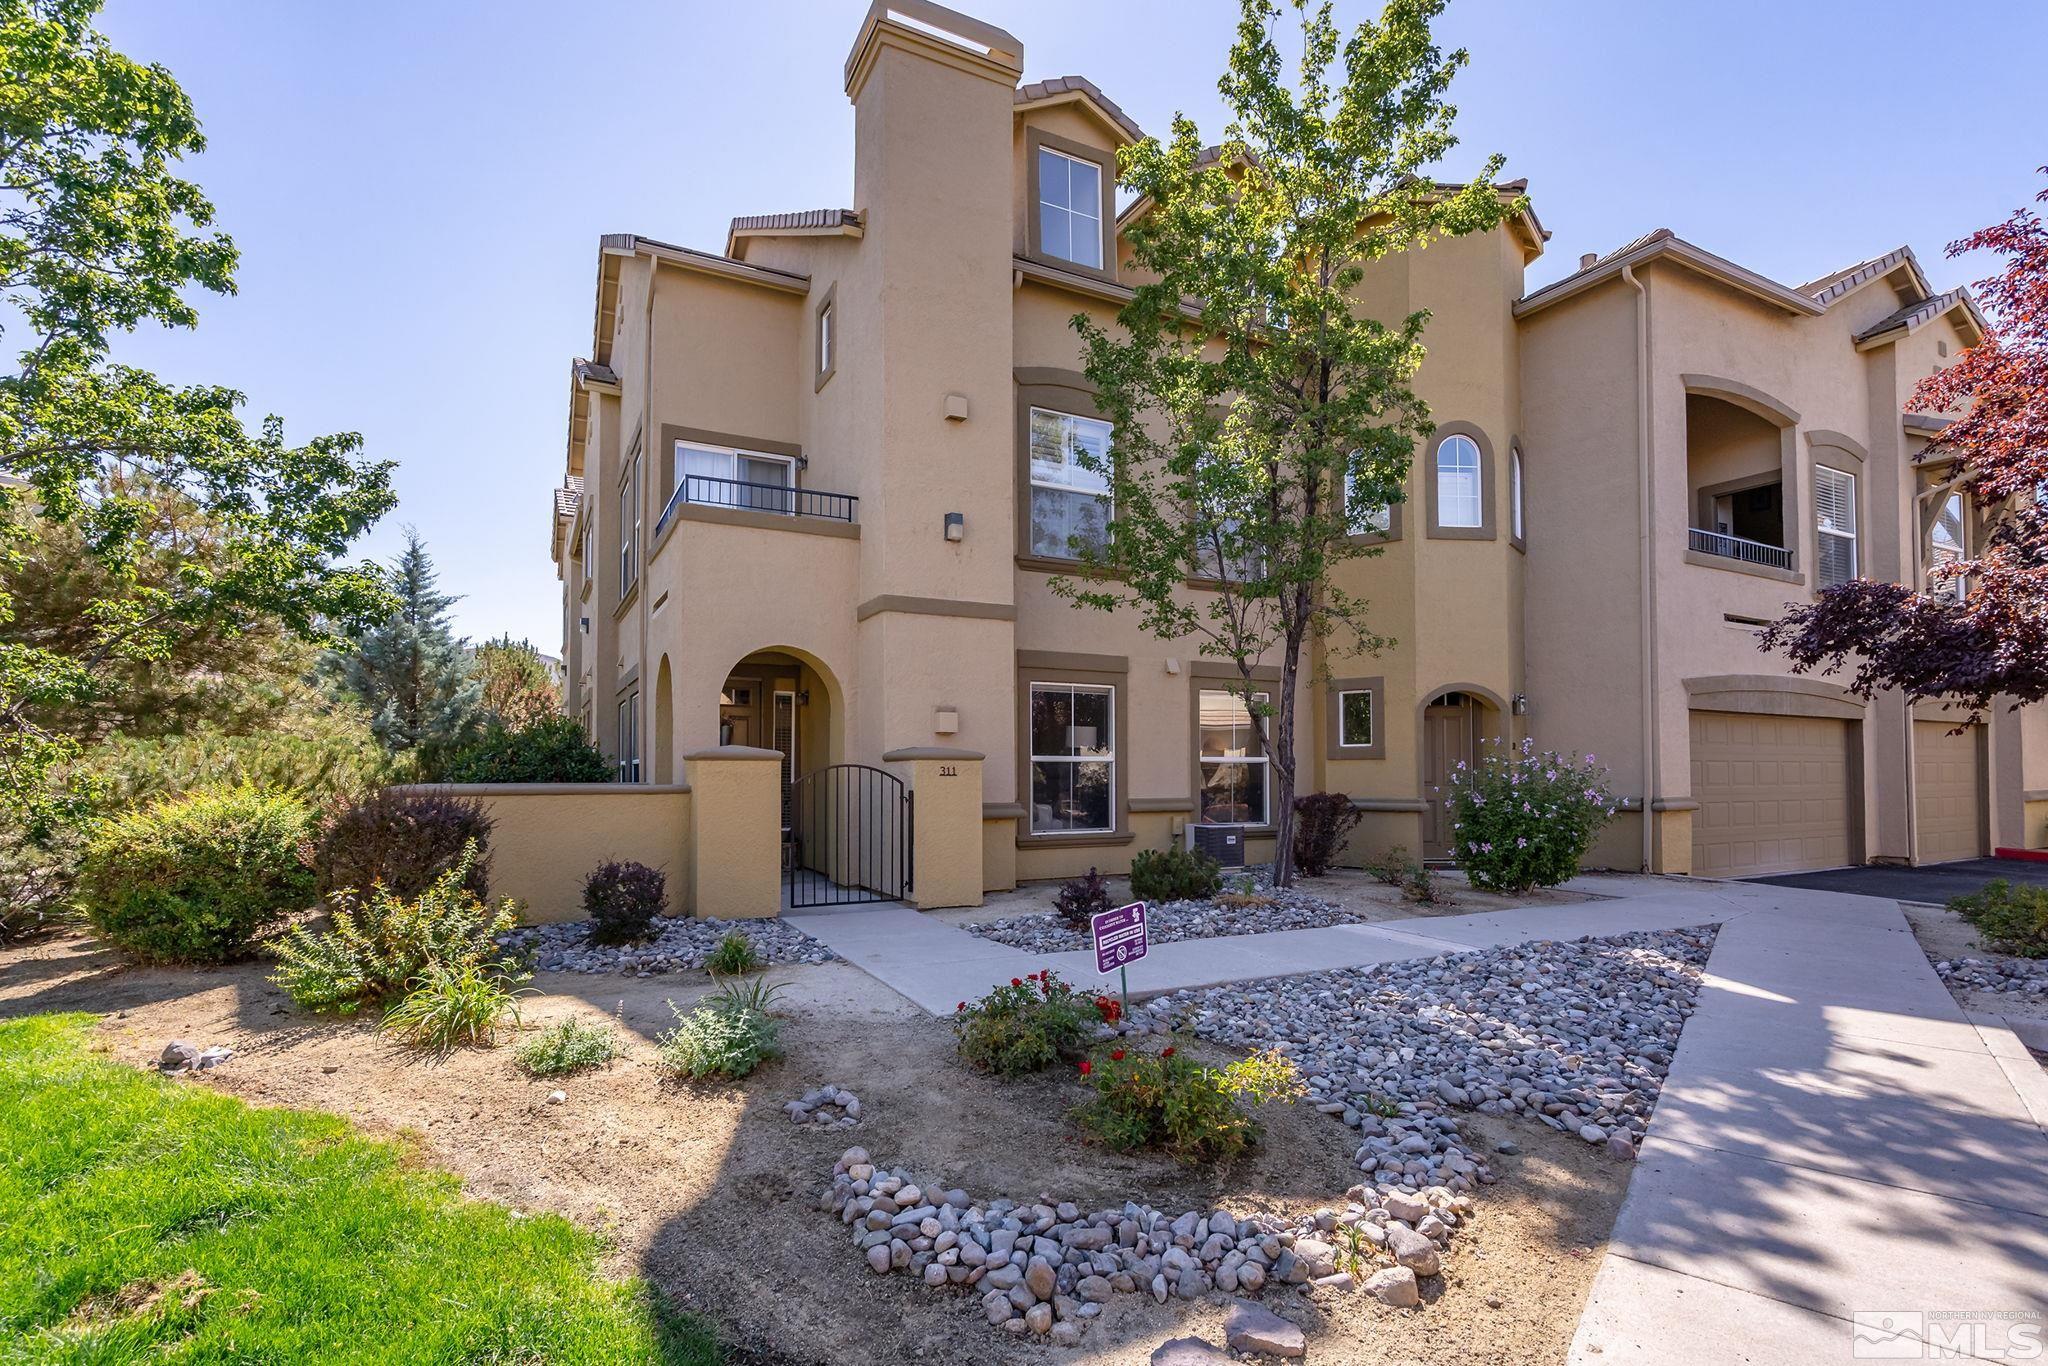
1948 792
1773 792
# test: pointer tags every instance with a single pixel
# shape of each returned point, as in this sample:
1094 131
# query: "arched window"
1458 499
1515 490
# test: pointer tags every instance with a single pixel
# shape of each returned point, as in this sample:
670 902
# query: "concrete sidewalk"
938 965
1840 1156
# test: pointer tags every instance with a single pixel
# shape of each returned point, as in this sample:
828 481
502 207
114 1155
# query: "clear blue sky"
418 188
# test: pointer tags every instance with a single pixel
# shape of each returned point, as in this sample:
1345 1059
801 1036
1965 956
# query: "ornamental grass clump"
1184 1108
1026 1026
734 957
2010 919
728 1036
1523 817
448 1007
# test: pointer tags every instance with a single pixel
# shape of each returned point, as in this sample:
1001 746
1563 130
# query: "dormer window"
1070 208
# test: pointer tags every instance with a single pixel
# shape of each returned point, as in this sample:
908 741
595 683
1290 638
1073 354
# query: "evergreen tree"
409 670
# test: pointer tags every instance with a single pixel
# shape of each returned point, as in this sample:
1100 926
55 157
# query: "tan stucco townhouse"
818 480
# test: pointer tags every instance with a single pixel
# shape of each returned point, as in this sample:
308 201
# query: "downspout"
650 679
1646 623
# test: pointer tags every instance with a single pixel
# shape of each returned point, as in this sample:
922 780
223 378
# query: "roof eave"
1661 246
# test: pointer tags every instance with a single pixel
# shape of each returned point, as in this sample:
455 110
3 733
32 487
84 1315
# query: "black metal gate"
849 837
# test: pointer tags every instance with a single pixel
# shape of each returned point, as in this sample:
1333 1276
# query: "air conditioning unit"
1224 843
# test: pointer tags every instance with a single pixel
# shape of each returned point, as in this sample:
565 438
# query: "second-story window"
1946 545
1834 519
1365 515
1515 490
629 529
1069 502
583 551
1070 208
1457 483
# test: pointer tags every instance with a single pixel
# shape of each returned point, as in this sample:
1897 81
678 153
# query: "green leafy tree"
97 236
518 690
408 670
1246 382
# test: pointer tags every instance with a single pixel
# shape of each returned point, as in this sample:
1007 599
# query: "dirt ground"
710 1192
1944 934
1356 891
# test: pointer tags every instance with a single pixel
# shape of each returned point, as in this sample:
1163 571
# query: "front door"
1450 733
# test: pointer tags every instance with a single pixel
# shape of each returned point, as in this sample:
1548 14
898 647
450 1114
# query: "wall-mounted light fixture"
803 697
1520 703
585 622
956 526
956 407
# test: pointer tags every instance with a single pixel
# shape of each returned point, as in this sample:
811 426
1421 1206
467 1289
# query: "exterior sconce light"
956 526
585 623
956 407
803 698
1520 703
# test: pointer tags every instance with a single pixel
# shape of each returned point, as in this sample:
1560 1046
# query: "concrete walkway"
1843 1165
938 965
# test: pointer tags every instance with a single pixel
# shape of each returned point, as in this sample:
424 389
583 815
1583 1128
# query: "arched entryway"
664 724
784 700
1455 722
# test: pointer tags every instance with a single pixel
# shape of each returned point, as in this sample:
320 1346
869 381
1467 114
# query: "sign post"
1120 940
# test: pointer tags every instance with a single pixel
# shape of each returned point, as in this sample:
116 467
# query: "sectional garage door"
1948 783
1774 793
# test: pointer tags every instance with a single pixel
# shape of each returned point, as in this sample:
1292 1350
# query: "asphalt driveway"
1934 883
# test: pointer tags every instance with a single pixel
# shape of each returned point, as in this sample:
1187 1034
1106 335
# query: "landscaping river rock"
1166 922
1044 1269
1577 1034
678 943
2023 976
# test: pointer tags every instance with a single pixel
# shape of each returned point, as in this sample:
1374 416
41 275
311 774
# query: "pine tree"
409 670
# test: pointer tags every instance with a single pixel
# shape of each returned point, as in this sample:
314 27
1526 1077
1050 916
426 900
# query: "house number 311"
949 770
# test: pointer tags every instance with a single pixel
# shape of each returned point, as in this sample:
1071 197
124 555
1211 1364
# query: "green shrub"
1521 818
720 1039
1081 899
1322 821
621 901
733 957
323 758
380 942
1174 874
449 1006
2010 919
37 878
404 840
1192 1112
1420 885
1026 1026
554 750
1391 867
567 1046
196 878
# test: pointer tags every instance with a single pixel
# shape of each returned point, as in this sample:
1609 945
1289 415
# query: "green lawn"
309 1241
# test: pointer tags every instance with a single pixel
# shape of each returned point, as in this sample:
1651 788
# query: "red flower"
1166 1052
1016 981
1116 1055
961 1006
1086 1067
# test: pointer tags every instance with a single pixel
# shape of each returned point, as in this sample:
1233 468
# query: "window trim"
1518 499
1076 670
1264 760
1432 480
1209 676
1068 394
1105 162
825 338
1333 718
1855 534
629 528
1958 588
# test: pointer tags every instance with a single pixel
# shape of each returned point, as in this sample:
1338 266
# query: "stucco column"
735 832
945 787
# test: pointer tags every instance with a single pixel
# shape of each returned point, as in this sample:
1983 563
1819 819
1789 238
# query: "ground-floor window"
1354 719
1231 749
1073 758
629 738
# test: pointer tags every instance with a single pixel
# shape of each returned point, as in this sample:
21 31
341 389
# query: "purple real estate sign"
1119 937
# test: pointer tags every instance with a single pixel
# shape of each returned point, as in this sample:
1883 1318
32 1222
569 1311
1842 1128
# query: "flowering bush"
1081 900
1030 1024
1522 818
1193 1112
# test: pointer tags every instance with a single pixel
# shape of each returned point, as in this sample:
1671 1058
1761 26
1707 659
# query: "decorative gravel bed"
1169 921
1577 1034
1046 1269
2025 976
680 943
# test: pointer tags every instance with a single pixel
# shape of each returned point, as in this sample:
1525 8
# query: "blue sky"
418 188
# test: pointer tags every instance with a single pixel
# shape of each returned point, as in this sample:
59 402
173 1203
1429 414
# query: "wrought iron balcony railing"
777 499
1737 548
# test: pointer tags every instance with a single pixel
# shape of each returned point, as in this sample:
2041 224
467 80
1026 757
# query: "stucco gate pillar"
735 832
945 859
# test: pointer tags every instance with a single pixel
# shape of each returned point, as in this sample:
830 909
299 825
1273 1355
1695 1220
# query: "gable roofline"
1830 289
1666 245
1910 318
804 223
704 262
1079 90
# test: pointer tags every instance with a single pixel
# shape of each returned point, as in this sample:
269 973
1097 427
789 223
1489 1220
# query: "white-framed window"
1224 555
1355 718
1458 495
583 551
1073 758
1515 490
723 476
629 738
1364 515
1069 502
1834 522
1070 208
629 528
1947 543
825 338
1231 749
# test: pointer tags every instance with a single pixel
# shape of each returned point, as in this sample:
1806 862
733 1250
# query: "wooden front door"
1450 735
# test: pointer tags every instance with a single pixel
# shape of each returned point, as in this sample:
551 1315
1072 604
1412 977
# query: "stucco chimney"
1586 261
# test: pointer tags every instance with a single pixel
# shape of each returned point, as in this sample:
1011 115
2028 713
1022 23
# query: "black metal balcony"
1737 548
778 500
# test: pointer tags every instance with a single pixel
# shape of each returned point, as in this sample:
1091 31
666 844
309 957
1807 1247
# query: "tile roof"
1910 316
807 219
1080 85
1831 287
591 370
569 497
